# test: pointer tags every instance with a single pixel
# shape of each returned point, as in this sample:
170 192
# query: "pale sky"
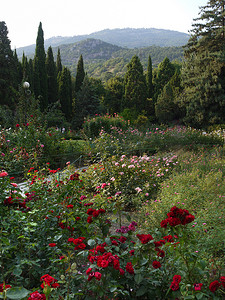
73 17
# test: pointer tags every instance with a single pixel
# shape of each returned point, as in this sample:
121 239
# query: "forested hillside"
127 37
71 82
103 60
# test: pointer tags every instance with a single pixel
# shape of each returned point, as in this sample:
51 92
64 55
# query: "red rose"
164 223
104 263
214 286
222 280
174 221
161 253
174 286
36 296
70 206
116 264
95 213
198 286
122 239
4 287
52 245
98 275
144 238
177 278
91 275
88 271
122 272
129 268
156 264
89 219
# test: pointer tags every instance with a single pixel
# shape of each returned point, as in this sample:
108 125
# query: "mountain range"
127 37
106 53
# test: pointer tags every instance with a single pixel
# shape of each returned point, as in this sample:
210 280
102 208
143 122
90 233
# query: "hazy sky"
73 17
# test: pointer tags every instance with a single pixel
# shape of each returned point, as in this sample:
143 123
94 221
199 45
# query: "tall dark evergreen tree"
149 78
135 86
7 66
87 102
40 80
203 72
36 78
51 76
113 100
65 92
58 62
165 72
18 73
30 74
80 74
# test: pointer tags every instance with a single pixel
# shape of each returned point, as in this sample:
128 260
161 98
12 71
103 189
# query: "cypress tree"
113 99
80 74
65 92
7 65
87 101
203 71
149 78
51 76
18 73
40 80
36 78
164 73
135 86
58 62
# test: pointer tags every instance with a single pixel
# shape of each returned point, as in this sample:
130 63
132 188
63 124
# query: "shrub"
93 126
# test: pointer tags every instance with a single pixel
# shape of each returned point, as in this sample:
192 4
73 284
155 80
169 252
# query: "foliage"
80 74
203 69
40 83
8 74
93 126
135 89
197 182
133 141
87 102
72 238
113 100
65 92
51 77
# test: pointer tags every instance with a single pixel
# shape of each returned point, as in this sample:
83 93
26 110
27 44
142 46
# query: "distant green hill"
103 60
127 37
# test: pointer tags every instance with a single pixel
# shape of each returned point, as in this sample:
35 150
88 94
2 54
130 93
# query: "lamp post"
27 92
26 86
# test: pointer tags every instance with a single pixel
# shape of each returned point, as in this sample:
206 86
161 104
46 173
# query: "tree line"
191 92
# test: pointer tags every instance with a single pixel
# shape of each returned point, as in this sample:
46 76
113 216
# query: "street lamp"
26 86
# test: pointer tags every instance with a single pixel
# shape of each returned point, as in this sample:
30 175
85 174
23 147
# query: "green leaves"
16 293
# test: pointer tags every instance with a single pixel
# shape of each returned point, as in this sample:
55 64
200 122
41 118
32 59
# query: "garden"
112 212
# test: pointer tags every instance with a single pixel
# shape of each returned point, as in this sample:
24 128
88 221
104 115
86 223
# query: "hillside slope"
127 37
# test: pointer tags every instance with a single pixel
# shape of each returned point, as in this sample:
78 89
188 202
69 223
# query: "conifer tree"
80 74
164 73
135 86
40 75
203 71
149 78
18 74
58 62
65 92
113 99
51 76
87 102
7 64
36 78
